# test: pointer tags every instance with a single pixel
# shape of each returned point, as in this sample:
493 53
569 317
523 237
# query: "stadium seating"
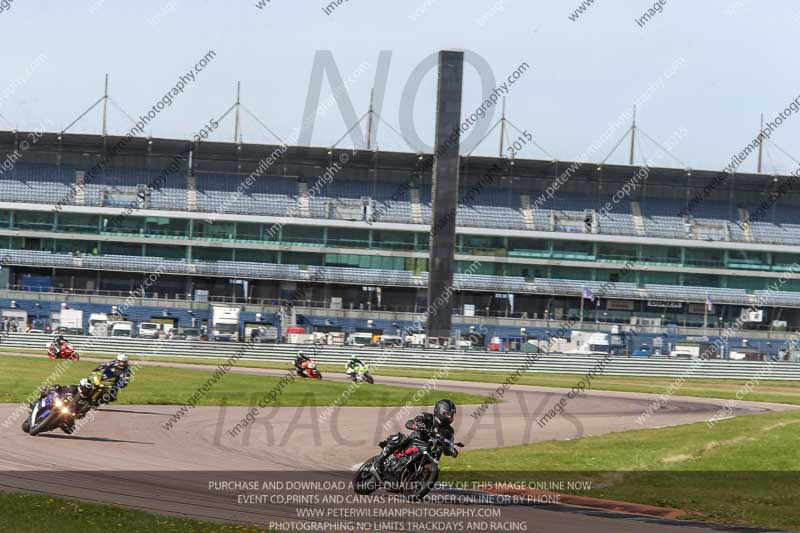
348 199
400 278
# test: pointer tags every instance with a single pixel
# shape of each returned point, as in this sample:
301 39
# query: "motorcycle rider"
58 345
81 394
118 369
352 364
423 426
298 363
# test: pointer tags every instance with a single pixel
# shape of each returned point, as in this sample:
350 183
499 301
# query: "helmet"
353 357
301 354
444 411
122 360
85 388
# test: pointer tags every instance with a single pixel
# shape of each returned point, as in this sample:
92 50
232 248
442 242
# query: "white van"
359 339
122 329
149 330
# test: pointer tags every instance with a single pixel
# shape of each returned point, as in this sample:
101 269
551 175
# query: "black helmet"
445 411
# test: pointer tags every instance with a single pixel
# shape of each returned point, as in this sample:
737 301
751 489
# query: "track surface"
168 471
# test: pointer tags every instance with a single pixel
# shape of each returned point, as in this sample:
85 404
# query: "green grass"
787 392
744 471
158 385
29 513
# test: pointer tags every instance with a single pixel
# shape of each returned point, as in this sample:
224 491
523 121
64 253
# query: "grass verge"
158 385
787 392
30 513
743 471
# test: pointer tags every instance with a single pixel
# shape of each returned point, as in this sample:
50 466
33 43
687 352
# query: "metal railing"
419 358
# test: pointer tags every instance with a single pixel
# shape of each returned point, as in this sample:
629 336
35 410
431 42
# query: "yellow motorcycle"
105 387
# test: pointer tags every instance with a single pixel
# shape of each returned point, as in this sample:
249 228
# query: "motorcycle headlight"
58 402
64 411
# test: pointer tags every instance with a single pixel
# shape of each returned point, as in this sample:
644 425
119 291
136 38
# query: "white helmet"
85 388
122 360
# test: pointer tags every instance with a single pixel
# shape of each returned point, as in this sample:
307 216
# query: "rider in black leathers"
422 425
58 342
298 363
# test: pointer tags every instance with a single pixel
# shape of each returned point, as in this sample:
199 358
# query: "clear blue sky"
740 60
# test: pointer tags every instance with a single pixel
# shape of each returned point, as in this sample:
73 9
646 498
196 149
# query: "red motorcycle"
310 369
62 351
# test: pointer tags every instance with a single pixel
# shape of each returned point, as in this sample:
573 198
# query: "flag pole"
582 299
705 313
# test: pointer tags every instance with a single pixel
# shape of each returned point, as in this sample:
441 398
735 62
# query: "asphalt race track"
127 456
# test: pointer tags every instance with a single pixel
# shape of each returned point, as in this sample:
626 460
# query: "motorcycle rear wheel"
363 480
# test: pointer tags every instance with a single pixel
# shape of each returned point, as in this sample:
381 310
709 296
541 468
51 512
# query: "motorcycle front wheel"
417 483
369 379
44 424
363 480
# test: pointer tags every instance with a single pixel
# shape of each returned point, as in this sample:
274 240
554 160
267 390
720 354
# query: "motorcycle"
310 369
361 374
104 387
49 413
412 470
65 351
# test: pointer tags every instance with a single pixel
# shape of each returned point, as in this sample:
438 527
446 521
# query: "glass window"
212 254
78 223
661 254
165 251
123 225
303 234
122 248
214 230
705 258
41 220
348 237
616 252
572 249
392 240
167 227
246 231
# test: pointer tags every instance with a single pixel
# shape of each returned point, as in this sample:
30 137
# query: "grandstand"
361 240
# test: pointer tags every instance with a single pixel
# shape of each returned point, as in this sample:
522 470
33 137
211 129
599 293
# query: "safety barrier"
419 358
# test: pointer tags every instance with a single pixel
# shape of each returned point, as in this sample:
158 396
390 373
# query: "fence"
416 358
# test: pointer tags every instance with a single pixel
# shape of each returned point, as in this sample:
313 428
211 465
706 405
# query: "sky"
706 69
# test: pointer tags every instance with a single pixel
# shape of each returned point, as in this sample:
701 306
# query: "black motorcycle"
412 470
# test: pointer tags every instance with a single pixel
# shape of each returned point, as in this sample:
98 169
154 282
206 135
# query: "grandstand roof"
83 151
